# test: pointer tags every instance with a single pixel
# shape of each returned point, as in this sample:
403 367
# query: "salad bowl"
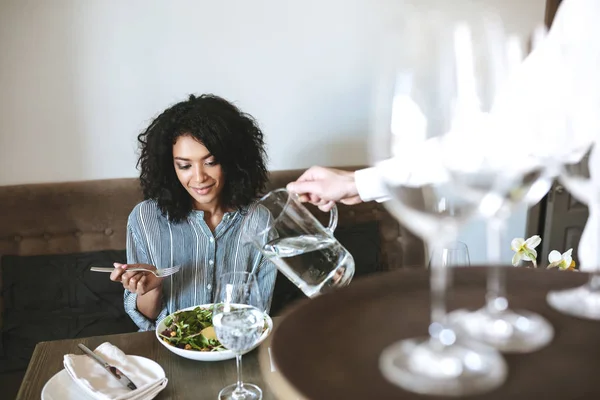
208 350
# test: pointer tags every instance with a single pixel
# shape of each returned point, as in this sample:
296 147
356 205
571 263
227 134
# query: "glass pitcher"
304 251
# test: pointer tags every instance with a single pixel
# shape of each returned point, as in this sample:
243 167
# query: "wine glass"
523 179
579 179
429 102
579 175
577 133
454 254
239 320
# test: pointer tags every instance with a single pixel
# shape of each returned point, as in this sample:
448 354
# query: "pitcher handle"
333 219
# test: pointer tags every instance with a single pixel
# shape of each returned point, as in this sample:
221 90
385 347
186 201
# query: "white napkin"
96 381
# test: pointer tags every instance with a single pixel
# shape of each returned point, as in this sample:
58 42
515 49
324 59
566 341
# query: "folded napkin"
148 376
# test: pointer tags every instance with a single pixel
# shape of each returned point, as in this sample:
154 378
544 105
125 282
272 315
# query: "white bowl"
206 355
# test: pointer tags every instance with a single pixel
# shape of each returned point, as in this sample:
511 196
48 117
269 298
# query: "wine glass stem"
240 385
439 286
496 301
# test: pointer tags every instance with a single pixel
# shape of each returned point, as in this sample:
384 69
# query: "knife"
114 371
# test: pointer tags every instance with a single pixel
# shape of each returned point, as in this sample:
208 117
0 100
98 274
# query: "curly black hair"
231 136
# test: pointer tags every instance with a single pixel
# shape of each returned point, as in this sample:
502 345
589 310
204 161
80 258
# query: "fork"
161 273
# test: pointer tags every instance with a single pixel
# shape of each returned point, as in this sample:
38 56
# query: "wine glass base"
578 302
509 331
428 367
249 392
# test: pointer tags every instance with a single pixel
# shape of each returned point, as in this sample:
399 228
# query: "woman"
202 164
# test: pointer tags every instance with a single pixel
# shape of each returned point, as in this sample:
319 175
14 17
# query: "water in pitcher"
314 263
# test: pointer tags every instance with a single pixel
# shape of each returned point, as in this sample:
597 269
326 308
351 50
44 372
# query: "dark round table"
328 347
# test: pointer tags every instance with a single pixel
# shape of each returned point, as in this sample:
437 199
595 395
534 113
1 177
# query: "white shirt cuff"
370 186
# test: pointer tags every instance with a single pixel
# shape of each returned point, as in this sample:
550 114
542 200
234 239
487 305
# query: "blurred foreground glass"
576 130
439 71
514 169
239 321
581 179
304 251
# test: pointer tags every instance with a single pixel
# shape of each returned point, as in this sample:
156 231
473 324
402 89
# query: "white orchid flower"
562 261
525 249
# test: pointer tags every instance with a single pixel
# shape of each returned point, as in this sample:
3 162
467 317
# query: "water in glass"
240 328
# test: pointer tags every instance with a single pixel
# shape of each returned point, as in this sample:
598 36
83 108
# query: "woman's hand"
139 283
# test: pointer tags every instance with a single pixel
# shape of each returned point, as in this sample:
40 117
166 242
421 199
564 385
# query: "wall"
80 78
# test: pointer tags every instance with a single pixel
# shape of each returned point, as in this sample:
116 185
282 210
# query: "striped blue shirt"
203 256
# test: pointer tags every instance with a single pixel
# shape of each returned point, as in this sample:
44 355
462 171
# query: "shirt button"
211 262
209 286
211 240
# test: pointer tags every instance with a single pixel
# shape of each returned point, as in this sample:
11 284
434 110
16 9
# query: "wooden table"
188 379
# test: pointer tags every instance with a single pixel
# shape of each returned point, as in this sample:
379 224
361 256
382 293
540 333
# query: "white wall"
79 79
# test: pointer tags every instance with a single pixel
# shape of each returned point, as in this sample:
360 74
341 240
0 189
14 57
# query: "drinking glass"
521 173
576 130
580 178
438 73
454 254
239 320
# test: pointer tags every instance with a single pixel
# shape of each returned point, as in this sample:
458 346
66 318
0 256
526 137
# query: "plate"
62 387
207 355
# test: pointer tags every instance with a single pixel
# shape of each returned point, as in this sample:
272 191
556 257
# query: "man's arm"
323 186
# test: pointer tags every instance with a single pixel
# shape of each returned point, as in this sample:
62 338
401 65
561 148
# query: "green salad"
192 330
